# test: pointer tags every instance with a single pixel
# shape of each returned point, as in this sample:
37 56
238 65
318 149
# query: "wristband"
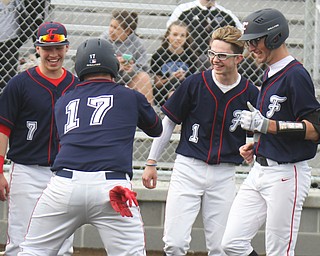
1 164
294 129
147 164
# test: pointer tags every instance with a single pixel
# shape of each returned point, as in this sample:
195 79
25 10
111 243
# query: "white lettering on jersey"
275 106
101 104
235 121
72 112
195 131
32 127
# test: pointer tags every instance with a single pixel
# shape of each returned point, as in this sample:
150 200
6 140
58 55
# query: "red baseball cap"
51 34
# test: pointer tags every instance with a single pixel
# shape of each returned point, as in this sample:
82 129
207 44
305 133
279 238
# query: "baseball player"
27 124
286 125
96 123
208 105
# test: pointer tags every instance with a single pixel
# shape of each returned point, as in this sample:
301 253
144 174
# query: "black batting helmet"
266 22
96 55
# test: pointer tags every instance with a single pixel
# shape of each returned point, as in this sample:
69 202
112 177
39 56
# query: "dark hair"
127 20
165 42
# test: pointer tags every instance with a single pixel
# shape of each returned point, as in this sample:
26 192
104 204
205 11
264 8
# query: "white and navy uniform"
96 123
207 154
279 181
27 108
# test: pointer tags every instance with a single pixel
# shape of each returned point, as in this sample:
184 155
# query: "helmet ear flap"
273 41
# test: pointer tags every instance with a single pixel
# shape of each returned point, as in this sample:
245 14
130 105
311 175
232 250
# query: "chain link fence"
86 19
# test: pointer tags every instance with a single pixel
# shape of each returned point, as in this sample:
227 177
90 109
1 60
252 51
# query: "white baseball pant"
194 185
68 203
26 185
273 195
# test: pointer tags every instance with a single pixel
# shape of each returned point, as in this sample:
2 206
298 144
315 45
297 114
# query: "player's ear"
67 48
37 49
239 59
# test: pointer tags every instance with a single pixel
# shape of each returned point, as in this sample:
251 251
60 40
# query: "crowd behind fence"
86 19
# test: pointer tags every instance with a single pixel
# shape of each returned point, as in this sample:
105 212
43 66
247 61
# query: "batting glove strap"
253 120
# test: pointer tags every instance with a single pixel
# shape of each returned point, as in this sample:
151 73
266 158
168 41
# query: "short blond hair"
229 34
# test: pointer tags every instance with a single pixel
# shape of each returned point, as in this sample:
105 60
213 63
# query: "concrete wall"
152 204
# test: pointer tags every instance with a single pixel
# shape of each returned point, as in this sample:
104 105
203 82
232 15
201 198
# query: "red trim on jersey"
293 208
6 120
54 81
52 104
224 118
264 95
68 86
265 92
5 130
52 113
172 116
215 115
95 80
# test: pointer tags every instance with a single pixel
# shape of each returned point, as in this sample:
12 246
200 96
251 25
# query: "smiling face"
51 59
224 67
260 52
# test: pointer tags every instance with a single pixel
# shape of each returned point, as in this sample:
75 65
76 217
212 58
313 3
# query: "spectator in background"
172 62
9 41
203 17
130 52
19 20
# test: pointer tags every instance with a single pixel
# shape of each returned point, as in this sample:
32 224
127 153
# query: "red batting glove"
119 197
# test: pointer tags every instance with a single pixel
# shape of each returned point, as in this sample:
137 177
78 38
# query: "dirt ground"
95 252
92 252
101 252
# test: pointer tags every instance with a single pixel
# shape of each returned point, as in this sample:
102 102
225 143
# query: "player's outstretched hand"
4 188
253 120
121 199
149 177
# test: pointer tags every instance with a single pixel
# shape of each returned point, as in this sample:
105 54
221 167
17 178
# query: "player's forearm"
159 143
3 144
3 149
310 131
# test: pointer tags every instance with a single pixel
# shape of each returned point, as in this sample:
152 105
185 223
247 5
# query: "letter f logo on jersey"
275 105
235 121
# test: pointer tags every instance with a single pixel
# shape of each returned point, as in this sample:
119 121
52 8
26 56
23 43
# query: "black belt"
109 175
263 161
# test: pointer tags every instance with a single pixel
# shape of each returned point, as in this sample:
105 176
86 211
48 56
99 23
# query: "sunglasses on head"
52 38
222 55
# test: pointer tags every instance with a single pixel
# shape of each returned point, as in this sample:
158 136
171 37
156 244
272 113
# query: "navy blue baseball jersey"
27 108
210 119
287 96
96 124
